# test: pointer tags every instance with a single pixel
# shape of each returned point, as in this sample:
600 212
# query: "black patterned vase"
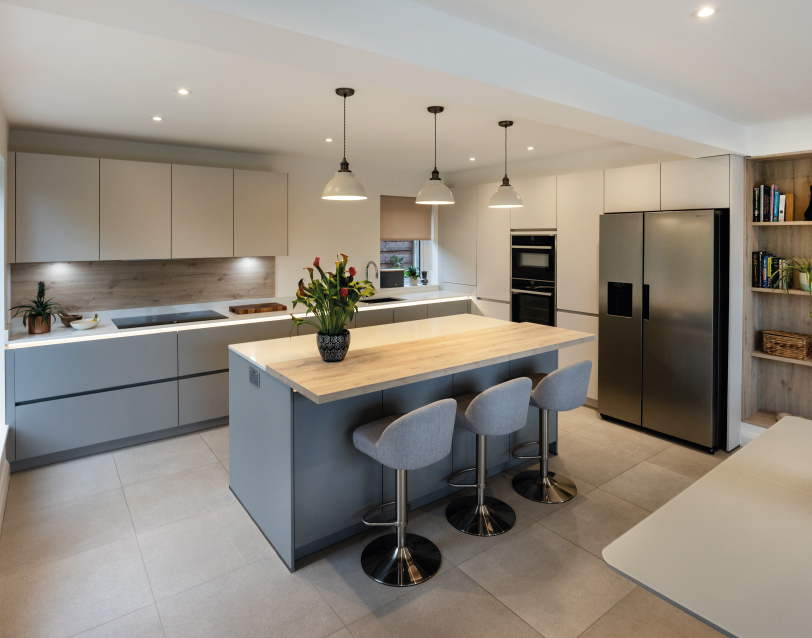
333 348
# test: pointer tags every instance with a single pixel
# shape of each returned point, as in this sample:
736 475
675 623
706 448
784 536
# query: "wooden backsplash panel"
106 285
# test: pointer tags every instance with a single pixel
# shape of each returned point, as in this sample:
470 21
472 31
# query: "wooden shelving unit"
773 385
771 357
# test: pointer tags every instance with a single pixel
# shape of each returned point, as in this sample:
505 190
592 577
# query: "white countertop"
106 329
735 548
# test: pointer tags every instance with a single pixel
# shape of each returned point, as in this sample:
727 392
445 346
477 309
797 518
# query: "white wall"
316 227
4 467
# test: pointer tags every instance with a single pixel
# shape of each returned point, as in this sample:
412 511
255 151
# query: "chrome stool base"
544 489
492 518
414 563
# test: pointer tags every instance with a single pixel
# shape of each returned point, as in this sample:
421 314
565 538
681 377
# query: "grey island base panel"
296 472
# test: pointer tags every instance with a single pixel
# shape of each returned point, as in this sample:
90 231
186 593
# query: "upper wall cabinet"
460 237
57 208
135 210
260 214
11 197
492 247
202 212
539 210
696 183
580 205
632 189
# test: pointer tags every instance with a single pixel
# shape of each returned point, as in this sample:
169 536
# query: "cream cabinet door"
260 214
493 309
135 210
459 250
539 210
492 247
11 231
632 189
202 212
57 208
581 352
696 183
580 205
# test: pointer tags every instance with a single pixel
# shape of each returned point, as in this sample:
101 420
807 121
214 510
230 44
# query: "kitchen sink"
380 300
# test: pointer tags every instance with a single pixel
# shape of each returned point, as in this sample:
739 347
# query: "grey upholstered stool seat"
405 442
562 390
501 409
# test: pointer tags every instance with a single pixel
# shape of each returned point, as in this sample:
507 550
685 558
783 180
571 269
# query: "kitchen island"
292 462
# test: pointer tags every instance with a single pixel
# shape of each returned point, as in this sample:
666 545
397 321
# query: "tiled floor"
149 542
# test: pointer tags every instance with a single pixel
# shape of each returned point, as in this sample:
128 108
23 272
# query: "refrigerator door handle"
645 302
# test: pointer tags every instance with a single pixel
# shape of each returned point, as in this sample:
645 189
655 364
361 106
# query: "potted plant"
412 273
38 313
802 266
396 261
331 301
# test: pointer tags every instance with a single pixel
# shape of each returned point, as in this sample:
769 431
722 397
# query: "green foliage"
331 298
39 307
412 272
396 261
801 265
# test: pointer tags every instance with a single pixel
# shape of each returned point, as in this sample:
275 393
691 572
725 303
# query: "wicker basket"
787 344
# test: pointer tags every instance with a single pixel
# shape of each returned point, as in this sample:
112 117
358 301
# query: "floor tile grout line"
608 610
79 633
327 602
185 518
186 469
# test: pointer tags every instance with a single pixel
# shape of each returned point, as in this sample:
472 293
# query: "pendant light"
344 186
505 196
435 192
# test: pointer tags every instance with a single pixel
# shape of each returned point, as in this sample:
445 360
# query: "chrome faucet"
376 269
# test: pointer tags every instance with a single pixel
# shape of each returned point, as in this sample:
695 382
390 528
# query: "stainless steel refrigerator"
662 347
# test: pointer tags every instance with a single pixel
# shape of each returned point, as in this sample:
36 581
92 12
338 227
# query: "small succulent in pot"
331 300
413 273
39 312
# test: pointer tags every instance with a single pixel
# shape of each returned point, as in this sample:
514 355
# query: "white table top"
735 548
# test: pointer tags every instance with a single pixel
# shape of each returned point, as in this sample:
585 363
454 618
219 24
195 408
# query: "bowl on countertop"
87 324
67 319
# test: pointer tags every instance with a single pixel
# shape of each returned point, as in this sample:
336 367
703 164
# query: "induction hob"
160 320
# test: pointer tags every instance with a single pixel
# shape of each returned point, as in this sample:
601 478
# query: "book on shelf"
771 205
769 271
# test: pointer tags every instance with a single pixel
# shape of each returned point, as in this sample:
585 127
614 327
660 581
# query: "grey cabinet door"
446 308
206 349
376 317
411 313
203 398
65 424
70 368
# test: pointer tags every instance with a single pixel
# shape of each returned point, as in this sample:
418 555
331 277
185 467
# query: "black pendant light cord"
506 153
435 141
345 129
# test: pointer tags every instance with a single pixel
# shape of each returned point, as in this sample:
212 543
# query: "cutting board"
250 309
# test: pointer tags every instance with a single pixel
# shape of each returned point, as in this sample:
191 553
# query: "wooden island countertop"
382 357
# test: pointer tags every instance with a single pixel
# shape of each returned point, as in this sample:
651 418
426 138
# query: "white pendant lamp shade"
344 186
505 196
435 191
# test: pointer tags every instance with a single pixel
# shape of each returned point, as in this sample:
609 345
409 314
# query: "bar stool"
501 409
559 391
405 442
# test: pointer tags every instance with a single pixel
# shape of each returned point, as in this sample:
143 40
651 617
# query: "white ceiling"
750 62
262 75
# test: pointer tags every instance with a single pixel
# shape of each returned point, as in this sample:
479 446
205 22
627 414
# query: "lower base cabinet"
64 424
203 398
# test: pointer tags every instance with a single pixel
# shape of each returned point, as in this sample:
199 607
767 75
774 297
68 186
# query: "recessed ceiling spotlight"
184 91
706 12
472 159
329 139
157 118
529 148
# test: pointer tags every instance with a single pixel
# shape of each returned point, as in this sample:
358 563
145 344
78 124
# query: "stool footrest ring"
451 478
523 445
380 507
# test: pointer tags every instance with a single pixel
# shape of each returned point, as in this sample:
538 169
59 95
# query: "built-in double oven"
533 278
